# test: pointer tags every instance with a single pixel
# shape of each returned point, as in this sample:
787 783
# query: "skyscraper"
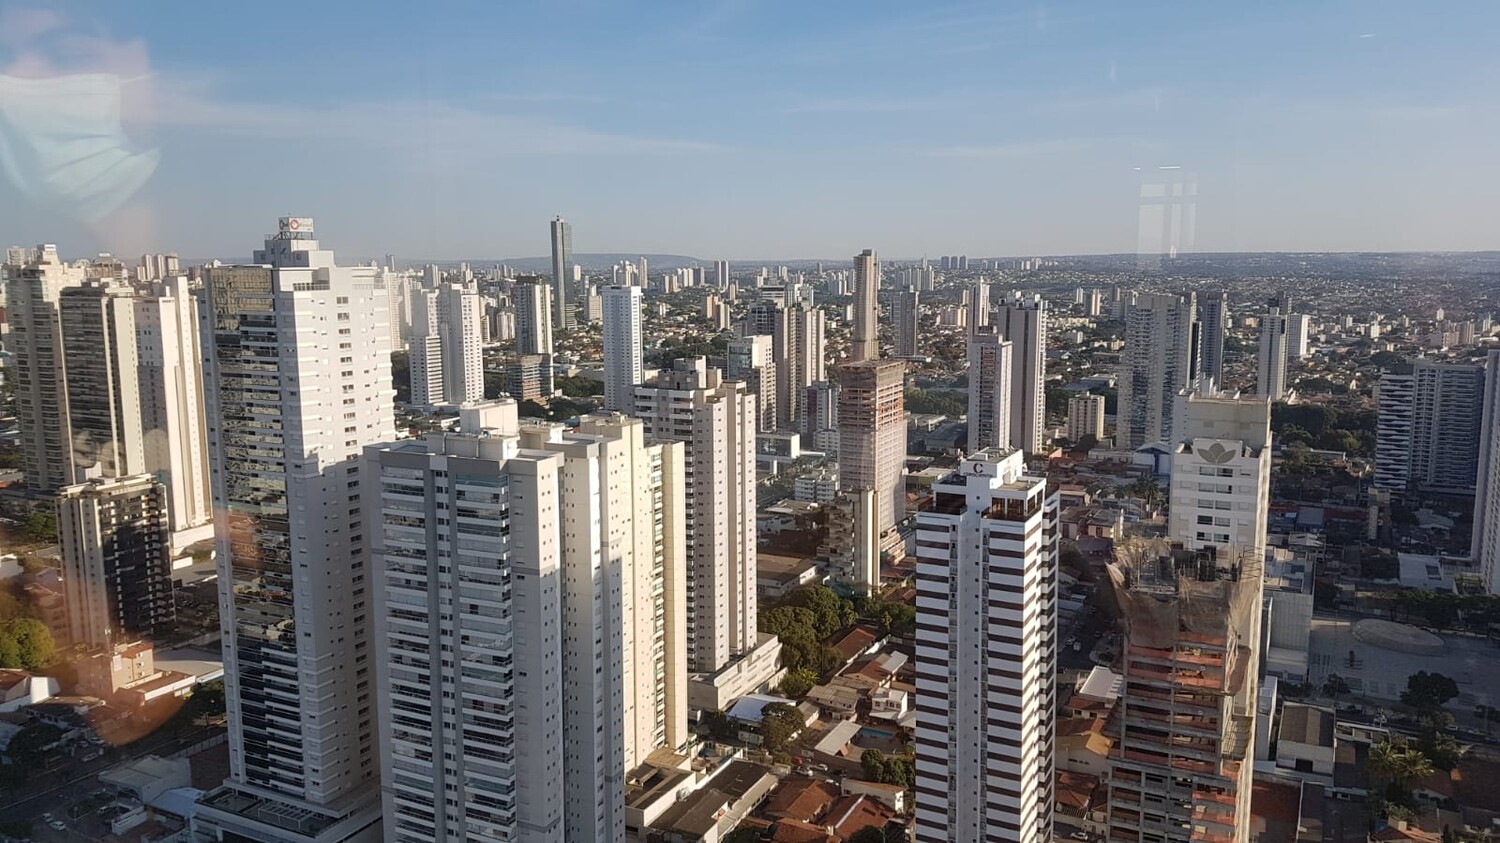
298 381
977 303
562 273
1486 551
715 420
41 383
801 360
872 435
1192 614
721 274
1270 371
623 361
104 394
1298 335
866 342
533 328
1023 323
461 328
905 317
986 653
991 391
1085 417
173 421
750 359
1213 313
116 560
1159 360
568 664
1428 433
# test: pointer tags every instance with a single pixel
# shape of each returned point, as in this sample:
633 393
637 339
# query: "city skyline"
1066 116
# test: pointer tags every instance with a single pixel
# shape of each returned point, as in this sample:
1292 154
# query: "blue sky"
756 130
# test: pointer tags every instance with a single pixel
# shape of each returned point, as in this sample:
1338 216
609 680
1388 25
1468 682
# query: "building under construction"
1181 768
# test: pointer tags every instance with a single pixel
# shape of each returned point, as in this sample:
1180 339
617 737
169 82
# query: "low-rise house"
893 795
1305 742
18 689
800 798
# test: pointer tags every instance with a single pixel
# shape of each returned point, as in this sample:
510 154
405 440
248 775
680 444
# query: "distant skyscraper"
562 272
1270 370
116 561
801 360
461 328
298 379
623 361
1159 360
905 316
1486 550
721 274
1298 335
986 654
715 420
643 272
36 345
1085 417
173 419
1023 322
750 359
1428 434
820 423
990 391
866 343
977 302
104 394
1213 314
533 328
872 435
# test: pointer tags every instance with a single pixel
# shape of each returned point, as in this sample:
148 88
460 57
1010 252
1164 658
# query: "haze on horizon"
744 130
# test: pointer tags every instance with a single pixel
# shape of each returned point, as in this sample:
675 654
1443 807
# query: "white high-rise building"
568 663
461 311
801 360
866 341
533 328
41 383
1085 417
624 364
1160 359
715 419
991 391
1298 335
104 393
298 380
986 653
1270 371
116 561
1221 476
721 274
168 350
977 304
1023 322
1486 550
425 363
750 359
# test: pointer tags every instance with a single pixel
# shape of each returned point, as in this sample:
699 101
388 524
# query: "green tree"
798 682
579 387
401 375
831 613
28 745
1428 691
1400 768
868 834
26 643
41 526
779 725
718 726
889 769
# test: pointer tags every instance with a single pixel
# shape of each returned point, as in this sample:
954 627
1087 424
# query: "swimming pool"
875 734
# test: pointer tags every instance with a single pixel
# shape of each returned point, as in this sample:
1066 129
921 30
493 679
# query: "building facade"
872 435
115 542
866 341
1486 551
41 382
1213 314
715 420
906 319
623 360
1428 431
1160 358
104 393
562 273
1023 323
751 359
1085 417
991 391
1270 370
298 382
986 654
